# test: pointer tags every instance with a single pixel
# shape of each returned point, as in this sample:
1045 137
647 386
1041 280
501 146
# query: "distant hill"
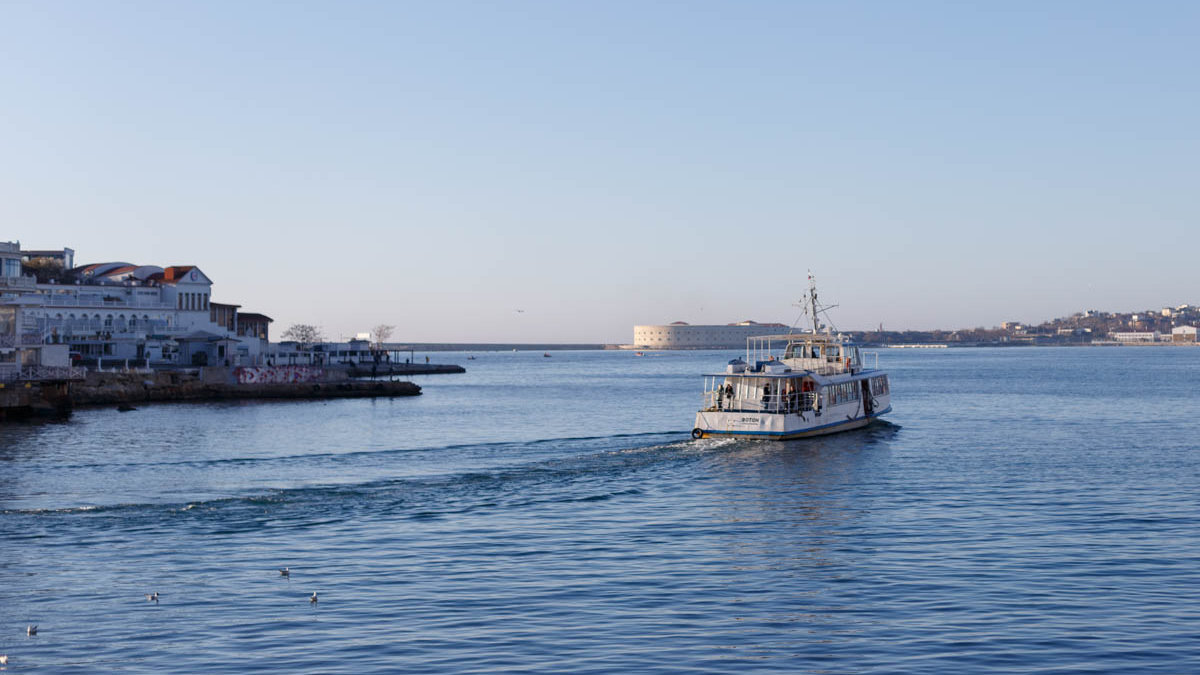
1079 328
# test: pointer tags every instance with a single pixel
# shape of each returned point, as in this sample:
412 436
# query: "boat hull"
777 426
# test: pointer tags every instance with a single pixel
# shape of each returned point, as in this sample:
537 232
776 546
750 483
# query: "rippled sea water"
1024 510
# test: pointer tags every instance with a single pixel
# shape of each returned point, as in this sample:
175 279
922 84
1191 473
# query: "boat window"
879 385
842 392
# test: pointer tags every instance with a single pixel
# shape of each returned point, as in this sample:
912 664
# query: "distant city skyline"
561 172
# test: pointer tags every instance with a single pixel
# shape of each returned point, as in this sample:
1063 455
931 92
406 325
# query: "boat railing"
799 401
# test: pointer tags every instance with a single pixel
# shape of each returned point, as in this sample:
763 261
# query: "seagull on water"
313 599
152 597
31 630
285 572
3 659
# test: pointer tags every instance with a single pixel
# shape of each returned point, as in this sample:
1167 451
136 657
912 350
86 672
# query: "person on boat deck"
766 394
720 397
729 393
790 396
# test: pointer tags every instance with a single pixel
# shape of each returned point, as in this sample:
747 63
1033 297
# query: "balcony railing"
18 282
154 302
22 340
41 373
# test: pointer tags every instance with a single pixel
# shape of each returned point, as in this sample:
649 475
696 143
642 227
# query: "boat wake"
586 468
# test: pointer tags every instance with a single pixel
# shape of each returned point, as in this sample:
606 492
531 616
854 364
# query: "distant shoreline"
940 346
551 347
491 347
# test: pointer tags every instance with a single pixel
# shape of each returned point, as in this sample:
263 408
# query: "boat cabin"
784 373
823 356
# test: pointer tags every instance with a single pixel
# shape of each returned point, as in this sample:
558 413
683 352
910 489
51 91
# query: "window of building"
12 267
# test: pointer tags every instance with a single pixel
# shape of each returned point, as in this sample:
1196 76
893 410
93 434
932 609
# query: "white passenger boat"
794 386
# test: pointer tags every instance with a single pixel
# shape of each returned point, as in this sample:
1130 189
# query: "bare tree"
304 334
381 333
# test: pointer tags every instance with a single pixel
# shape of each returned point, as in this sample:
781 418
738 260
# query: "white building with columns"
123 312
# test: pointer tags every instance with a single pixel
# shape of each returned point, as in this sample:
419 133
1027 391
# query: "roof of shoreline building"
98 269
116 272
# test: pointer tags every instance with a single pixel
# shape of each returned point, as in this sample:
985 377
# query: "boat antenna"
815 309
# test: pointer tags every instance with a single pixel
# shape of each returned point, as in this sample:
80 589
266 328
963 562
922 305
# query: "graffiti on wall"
278 374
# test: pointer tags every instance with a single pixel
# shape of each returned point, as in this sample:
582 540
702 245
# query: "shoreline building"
1135 336
682 335
24 356
123 312
1183 335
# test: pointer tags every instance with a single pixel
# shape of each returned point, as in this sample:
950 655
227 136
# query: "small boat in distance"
546 354
794 386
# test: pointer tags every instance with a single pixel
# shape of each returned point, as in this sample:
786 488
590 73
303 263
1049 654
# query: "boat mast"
812 302
814 308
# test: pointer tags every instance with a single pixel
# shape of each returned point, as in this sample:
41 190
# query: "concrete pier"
382 369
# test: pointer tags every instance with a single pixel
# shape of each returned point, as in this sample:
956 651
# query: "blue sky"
438 166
